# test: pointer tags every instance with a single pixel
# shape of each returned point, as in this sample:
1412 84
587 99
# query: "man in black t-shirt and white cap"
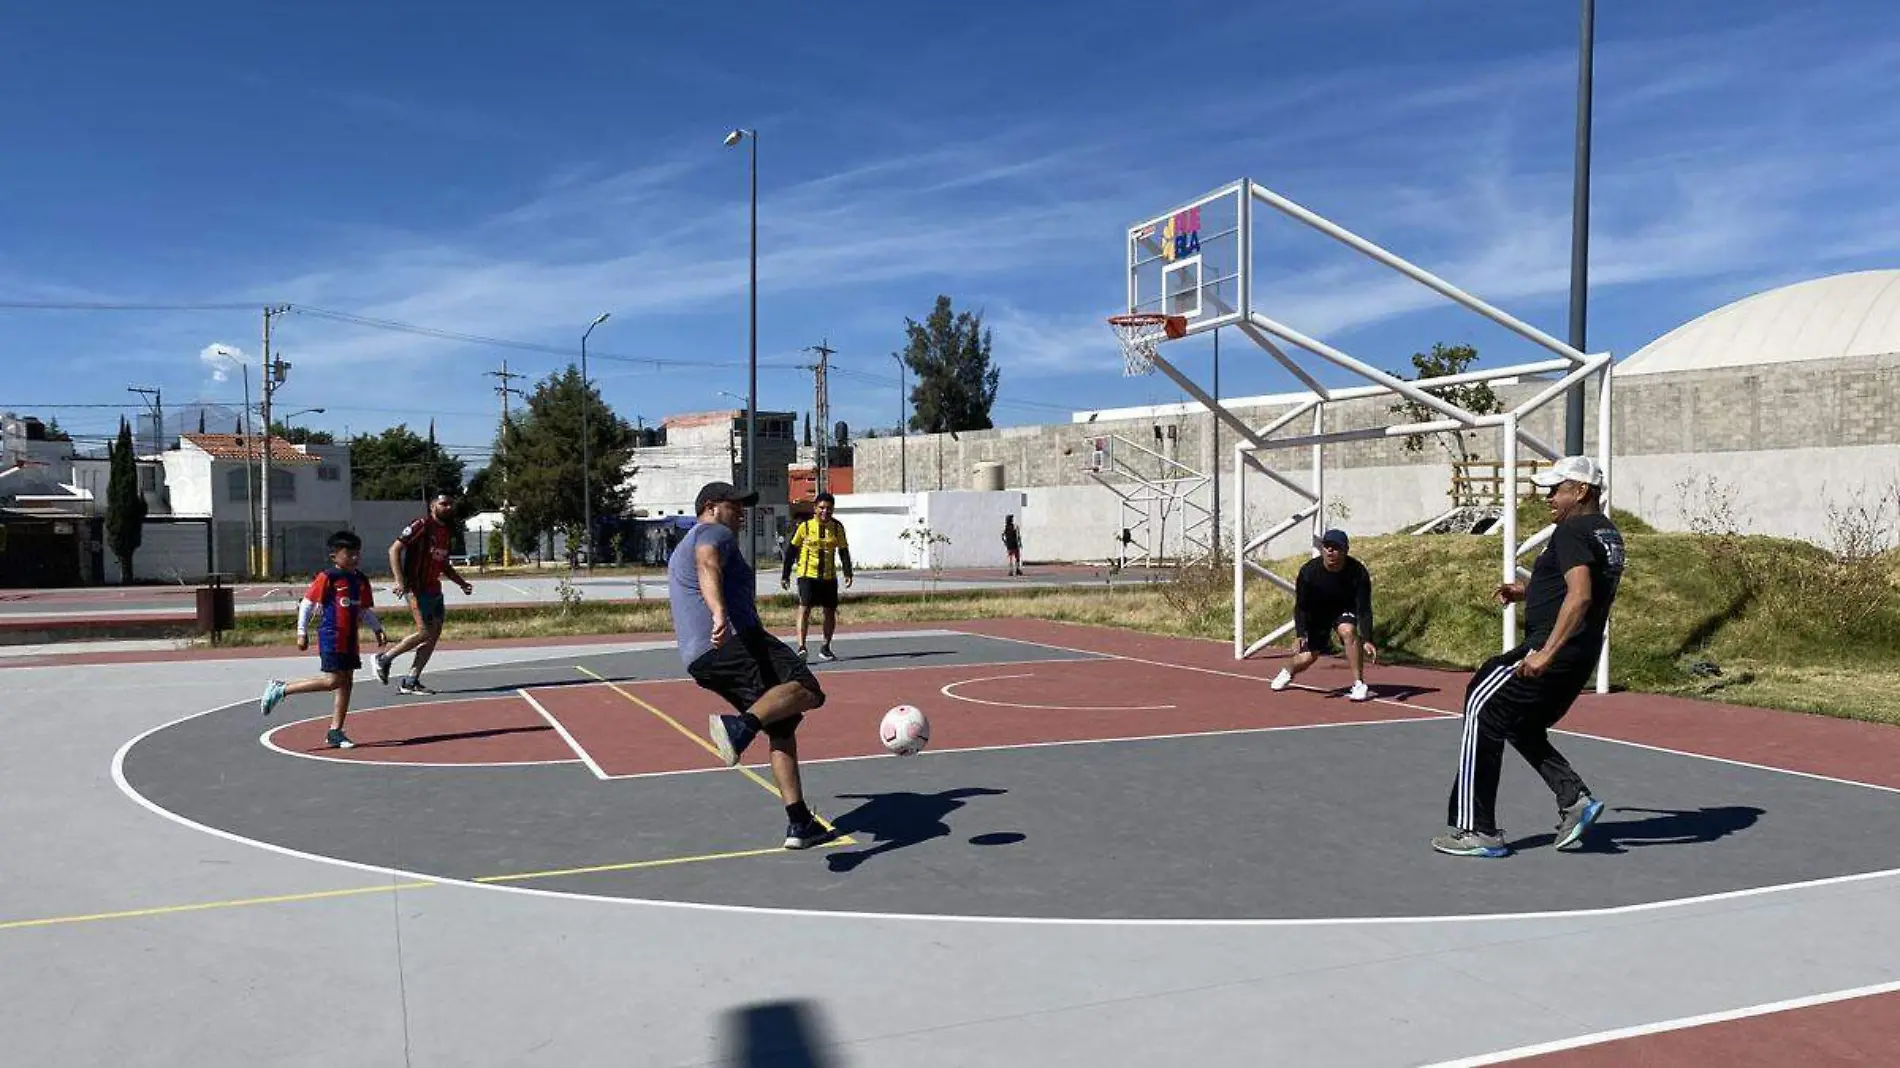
1332 596
1518 696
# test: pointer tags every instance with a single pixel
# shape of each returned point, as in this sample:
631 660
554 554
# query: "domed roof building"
1838 317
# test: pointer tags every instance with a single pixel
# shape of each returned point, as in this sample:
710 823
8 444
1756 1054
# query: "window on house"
237 484
283 485
329 473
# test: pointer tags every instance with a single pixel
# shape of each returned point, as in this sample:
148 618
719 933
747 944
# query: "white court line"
1571 733
125 787
270 743
946 751
1661 1026
948 687
572 742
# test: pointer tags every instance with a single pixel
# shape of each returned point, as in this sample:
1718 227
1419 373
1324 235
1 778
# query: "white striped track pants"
1502 707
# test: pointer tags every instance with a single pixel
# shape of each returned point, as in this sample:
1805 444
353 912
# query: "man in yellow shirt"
818 549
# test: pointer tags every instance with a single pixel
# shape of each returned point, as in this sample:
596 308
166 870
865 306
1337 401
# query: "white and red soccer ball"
904 731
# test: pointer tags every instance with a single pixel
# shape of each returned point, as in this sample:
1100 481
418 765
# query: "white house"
216 476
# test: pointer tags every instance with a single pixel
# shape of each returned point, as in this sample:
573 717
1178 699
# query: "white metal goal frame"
1149 499
1209 281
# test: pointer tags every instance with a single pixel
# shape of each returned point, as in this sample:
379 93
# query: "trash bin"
217 610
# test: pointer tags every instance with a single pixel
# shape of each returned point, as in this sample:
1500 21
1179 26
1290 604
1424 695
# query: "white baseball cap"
1570 469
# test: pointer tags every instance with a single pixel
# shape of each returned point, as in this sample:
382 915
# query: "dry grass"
1688 601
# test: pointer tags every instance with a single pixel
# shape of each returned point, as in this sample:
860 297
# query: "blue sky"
510 171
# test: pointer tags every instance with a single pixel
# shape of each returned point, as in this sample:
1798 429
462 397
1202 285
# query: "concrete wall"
1797 437
169 551
973 521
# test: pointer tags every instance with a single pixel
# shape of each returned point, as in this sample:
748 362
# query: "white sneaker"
1360 691
1283 679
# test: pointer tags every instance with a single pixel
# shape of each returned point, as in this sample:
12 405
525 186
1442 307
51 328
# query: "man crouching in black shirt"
1518 696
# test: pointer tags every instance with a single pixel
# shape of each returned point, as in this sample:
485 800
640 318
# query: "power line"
107 305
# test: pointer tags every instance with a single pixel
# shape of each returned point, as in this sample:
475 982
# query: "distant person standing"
1332 596
1518 696
419 558
713 593
1013 544
819 553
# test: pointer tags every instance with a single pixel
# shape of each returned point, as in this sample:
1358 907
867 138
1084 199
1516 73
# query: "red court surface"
1863 1030
491 730
1038 703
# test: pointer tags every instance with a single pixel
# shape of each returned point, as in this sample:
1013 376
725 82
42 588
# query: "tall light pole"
290 428
903 429
752 358
1580 228
587 496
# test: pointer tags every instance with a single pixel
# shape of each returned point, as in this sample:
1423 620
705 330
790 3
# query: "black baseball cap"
714 492
1336 537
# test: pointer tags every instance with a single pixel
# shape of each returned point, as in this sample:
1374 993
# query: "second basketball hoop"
1141 334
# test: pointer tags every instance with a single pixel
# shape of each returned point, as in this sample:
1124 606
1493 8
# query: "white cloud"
220 358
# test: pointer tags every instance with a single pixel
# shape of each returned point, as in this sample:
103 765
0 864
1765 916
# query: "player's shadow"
1658 827
556 684
774 1034
457 736
897 820
904 654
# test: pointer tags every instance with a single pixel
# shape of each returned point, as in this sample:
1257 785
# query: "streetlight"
587 496
752 360
289 427
1580 228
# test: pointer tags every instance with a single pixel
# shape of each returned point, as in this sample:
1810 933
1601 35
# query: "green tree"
1474 397
540 456
949 353
399 465
125 505
302 435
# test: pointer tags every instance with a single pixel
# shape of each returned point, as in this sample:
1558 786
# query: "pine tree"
125 505
956 382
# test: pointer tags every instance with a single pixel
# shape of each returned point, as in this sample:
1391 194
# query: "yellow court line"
842 839
635 865
166 910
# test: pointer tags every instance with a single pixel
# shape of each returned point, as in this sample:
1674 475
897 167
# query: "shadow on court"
900 819
1658 827
906 654
557 684
458 736
774 1034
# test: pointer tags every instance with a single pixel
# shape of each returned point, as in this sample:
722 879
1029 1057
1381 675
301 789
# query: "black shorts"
818 593
335 662
1321 629
749 664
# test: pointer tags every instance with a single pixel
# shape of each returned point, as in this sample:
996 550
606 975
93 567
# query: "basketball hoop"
1141 335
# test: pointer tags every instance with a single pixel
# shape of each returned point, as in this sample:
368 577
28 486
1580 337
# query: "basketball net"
1141 337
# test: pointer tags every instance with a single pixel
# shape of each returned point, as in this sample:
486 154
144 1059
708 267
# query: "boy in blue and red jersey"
340 599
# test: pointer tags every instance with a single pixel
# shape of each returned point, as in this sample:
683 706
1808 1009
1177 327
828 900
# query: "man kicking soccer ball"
1333 595
728 651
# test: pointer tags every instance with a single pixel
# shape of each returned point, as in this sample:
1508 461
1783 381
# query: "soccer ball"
904 731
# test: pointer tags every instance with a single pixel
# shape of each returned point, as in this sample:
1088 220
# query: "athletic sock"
797 812
751 721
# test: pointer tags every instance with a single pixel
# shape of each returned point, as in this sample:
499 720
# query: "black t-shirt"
1322 596
1593 542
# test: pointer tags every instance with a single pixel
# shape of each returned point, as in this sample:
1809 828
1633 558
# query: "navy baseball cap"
1336 537
714 492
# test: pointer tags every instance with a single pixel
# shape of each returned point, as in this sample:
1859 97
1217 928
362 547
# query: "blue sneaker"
336 739
731 735
1470 844
1576 819
273 693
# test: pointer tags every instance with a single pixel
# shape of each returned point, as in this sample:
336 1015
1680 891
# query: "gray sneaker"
1573 821
1459 843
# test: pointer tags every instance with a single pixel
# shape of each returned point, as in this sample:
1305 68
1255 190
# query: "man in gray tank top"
728 651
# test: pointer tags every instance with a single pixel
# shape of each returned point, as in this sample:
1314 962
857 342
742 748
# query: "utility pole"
821 386
501 454
1580 228
274 373
156 403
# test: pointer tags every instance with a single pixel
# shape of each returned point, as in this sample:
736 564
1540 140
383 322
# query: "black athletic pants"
1501 706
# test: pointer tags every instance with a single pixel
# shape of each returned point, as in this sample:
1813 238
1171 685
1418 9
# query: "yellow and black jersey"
815 549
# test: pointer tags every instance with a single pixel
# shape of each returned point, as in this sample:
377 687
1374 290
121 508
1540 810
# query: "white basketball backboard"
1194 261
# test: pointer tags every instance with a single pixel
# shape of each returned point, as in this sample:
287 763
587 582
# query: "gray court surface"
1300 824
132 939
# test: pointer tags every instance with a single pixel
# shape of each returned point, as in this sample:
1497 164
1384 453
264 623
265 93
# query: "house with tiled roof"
217 476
